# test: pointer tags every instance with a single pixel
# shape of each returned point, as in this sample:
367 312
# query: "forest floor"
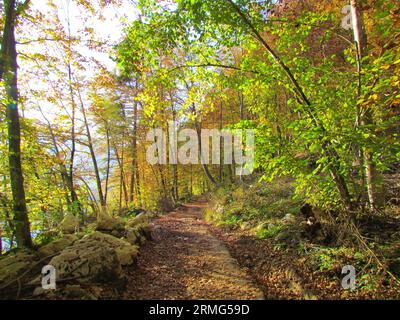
185 260
189 258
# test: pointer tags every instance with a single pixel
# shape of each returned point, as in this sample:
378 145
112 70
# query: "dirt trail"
185 261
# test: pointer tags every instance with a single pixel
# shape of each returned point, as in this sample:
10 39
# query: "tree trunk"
191 180
174 166
122 187
108 162
9 71
365 118
93 155
76 207
221 147
204 165
138 192
134 153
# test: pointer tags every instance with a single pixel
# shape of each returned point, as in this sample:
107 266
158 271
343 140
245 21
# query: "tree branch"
274 55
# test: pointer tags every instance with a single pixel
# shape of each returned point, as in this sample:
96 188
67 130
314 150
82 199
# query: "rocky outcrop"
57 245
99 257
83 265
15 264
112 225
138 233
126 252
87 261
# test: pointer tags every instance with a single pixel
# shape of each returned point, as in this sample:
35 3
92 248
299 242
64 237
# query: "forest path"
185 261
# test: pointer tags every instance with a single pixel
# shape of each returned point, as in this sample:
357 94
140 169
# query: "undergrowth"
271 211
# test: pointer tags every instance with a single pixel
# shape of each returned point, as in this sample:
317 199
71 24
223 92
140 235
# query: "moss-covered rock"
87 260
15 264
57 245
126 252
110 224
138 233
132 235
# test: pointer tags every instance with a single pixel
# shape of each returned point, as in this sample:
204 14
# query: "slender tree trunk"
108 163
9 71
363 118
134 152
191 179
230 173
163 182
76 205
204 165
74 197
175 186
122 161
123 186
221 147
93 156
138 191
241 105
1 241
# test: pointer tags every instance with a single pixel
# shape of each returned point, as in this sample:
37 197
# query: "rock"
126 252
39 291
288 235
57 245
14 264
76 292
87 260
98 257
127 255
110 224
138 234
132 236
146 230
289 219
69 292
70 224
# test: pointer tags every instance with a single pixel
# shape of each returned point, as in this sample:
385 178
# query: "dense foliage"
323 104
